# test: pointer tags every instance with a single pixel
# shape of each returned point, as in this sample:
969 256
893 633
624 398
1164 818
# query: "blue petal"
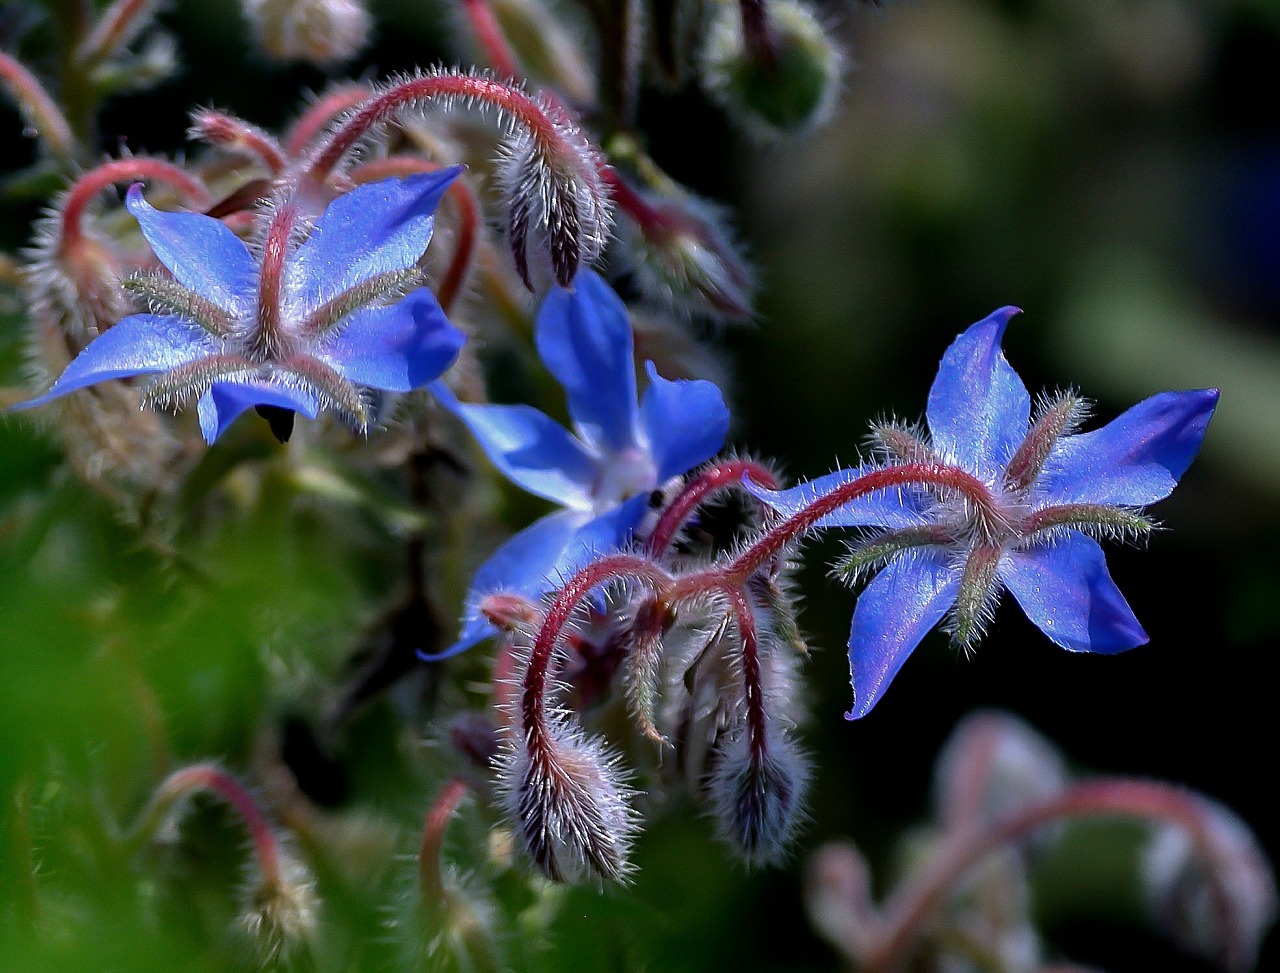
374 229
892 508
396 348
1136 458
225 402
1066 591
529 448
685 422
978 408
899 606
201 253
138 345
521 566
584 339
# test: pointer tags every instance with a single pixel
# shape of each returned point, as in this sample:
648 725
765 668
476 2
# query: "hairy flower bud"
323 32
1213 893
682 255
785 86
279 910
570 804
757 794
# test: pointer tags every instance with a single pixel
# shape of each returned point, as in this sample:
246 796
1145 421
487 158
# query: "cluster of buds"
706 661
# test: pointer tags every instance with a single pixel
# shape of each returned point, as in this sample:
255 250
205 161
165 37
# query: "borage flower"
603 475
295 327
996 499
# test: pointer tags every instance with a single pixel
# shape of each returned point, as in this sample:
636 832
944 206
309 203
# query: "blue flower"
295 327
1002 500
603 475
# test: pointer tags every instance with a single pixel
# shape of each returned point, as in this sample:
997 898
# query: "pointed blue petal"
1065 589
584 339
225 402
521 566
396 348
138 345
685 422
978 409
893 508
1136 458
201 253
374 229
529 448
899 606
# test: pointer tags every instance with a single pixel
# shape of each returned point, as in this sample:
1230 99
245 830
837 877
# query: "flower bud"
279 910
324 32
682 256
1214 892
783 86
757 794
570 805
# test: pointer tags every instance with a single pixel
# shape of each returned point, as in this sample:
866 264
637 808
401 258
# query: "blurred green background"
1110 166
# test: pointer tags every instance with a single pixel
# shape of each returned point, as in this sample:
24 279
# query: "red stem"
320 115
609 568
491 37
207 777
908 912
467 87
124 170
48 119
112 28
904 474
698 489
429 852
464 199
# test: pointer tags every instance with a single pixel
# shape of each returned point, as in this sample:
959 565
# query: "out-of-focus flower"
996 498
296 327
603 473
324 32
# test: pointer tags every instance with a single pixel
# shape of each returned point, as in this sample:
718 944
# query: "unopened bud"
682 256
1213 893
324 32
757 795
992 765
784 87
511 613
280 909
570 805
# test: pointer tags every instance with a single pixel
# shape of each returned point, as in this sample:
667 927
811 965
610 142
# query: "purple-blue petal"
201 253
396 348
906 599
584 339
529 448
374 229
978 408
1065 589
892 508
520 566
685 422
137 345
225 402
1135 459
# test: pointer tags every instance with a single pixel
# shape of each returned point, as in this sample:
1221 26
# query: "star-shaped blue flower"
603 475
1004 500
293 326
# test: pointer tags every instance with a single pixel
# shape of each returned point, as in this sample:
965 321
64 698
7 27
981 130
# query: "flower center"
624 475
